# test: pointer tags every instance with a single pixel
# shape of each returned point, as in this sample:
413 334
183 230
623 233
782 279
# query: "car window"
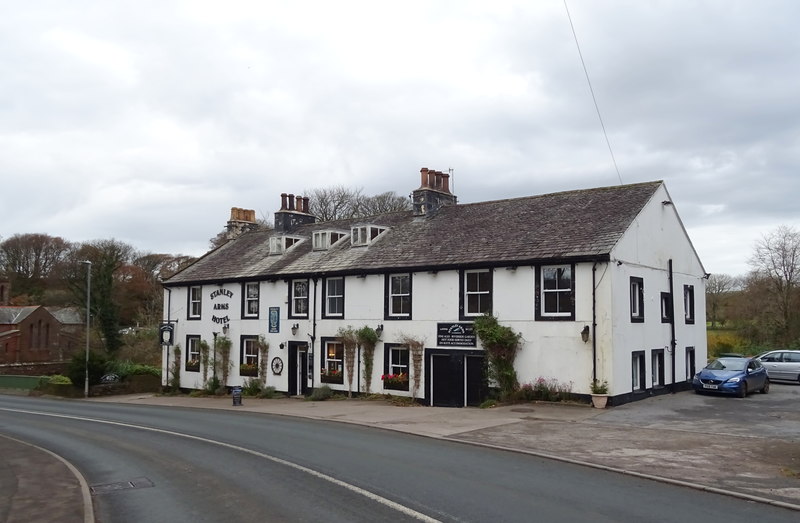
793 357
727 364
772 356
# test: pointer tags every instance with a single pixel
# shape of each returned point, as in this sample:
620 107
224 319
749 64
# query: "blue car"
738 376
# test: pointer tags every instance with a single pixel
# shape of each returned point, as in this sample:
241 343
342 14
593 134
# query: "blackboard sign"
236 395
455 335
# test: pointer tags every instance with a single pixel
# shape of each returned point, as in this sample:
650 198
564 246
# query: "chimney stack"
294 211
241 221
433 193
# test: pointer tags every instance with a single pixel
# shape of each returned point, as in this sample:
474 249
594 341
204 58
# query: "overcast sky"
146 121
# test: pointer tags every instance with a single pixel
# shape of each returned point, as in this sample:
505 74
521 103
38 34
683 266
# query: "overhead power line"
591 90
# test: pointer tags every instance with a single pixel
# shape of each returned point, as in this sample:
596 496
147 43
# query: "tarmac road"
746 447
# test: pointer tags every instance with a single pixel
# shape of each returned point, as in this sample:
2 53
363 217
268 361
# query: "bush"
97 368
269 393
58 379
488 404
321 393
252 387
125 368
544 389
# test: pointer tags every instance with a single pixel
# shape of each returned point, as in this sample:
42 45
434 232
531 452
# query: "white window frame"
299 298
560 293
657 371
324 240
403 295
334 363
281 244
361 235
334 299
251 299
250 351
192 348
195 301
638 371
476 290
399 368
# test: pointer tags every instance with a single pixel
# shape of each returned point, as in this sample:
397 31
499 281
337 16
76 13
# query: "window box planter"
395 381
248 370
192 366
333 376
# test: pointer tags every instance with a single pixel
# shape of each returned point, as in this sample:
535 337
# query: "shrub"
252 387
269 393
125 368
97 368
321 393
544 389
58 379
488 404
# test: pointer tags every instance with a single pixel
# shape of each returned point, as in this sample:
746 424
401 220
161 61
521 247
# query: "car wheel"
765 388
743 390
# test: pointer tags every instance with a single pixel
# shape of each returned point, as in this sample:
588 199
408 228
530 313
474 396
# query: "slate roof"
15 315
67 315
573 225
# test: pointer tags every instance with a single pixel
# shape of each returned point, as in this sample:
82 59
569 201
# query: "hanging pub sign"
455 335
167 331
274 320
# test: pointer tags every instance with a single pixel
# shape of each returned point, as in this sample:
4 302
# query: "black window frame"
539 312
688 304
637 298
190 316
326 314
388 313
691 363
463 300
292 313
657 356
638 365
666 307
246 300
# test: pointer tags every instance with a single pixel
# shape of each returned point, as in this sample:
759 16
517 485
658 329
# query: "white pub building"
603 284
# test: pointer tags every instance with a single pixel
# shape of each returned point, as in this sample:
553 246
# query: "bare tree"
718 291
776 258
340 202
30 260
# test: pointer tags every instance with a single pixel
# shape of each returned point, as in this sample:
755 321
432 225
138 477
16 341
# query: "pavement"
657 438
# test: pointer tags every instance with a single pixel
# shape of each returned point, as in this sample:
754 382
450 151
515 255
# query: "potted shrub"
599 393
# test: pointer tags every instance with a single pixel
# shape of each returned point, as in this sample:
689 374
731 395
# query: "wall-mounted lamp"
295 327
225 330
281 346
379 330
585 333
666 202
619 262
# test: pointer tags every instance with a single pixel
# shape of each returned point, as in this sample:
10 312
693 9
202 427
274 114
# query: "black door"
477 387
447 380
298 368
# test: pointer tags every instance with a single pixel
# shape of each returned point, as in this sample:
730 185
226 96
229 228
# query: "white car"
782 365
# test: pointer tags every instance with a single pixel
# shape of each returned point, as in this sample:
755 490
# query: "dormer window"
323 240
365 234
281 244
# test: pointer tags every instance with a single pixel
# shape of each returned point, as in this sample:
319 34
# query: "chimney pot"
283 201
446 182
424 177
291 202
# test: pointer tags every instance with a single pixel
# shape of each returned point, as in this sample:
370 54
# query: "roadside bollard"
236 394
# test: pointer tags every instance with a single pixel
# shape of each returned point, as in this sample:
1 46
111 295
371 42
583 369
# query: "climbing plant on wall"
501 344
349 339
415 347
367 339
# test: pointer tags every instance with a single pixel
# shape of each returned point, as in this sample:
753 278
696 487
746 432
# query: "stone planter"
599 401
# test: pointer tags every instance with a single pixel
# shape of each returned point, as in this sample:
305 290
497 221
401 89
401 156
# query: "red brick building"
34 334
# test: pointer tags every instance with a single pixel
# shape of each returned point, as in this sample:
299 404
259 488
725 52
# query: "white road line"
358 490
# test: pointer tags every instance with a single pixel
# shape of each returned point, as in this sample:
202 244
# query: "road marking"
358 490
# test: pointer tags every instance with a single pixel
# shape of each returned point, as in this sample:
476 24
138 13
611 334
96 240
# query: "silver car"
782 365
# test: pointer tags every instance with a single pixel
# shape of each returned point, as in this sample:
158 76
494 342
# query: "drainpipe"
313 335
594 322
169 322
672 341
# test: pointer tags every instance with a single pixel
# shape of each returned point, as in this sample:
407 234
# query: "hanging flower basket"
331 376
247 369
395 381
